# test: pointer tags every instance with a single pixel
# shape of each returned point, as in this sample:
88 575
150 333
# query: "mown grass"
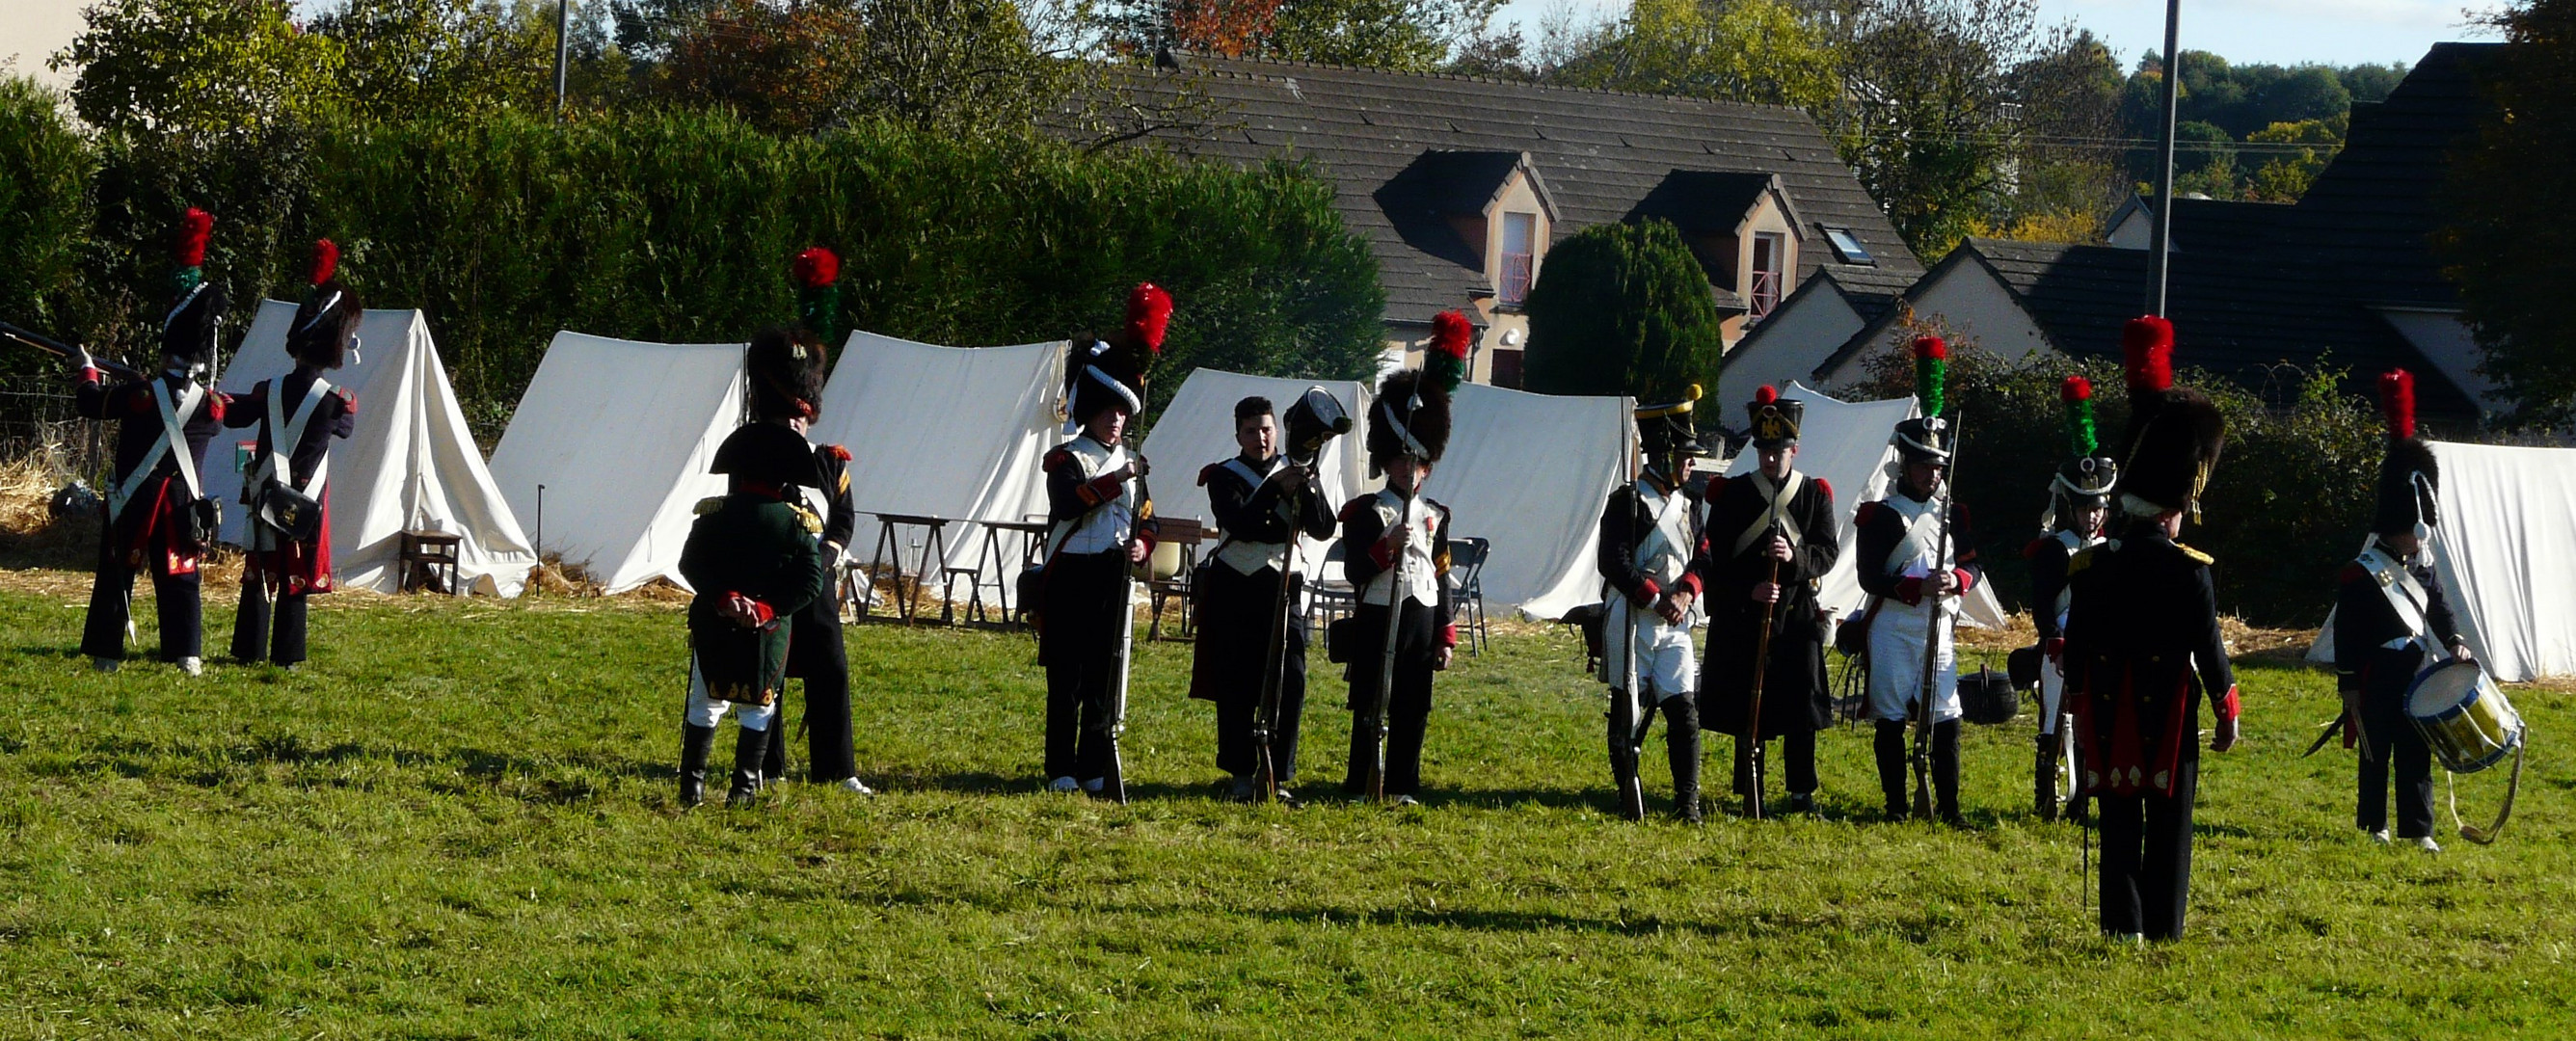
457 821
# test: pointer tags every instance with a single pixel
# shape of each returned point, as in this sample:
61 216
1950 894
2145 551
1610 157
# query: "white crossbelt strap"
172 433
1659 538
2405 595
286 432
1920 535
1777 509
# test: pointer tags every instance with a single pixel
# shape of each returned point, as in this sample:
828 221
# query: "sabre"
1114 780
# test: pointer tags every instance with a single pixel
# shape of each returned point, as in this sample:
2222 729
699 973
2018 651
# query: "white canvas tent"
943 432
620 434
1530 472
1846 444
1197 429
411 463
2506 554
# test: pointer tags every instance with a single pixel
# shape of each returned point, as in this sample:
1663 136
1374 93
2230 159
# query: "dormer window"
1768 274
1519 258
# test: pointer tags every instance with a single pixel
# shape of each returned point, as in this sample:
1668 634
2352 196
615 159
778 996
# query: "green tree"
2307 146
1405 35
198 66
410 59
1622 309
45 170
1758 51
2511 241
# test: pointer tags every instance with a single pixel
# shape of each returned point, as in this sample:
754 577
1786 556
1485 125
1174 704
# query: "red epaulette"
1208 473
838 452
1865 512
215 403
2031 551
1352 508
348 401
2353 572
1826 487
1055 458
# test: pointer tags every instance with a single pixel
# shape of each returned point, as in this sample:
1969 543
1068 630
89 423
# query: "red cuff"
1449 635
90 374
1100 490
2227 706
1690 581
1383 551
1966 580
1910 590
1647 590
1147 538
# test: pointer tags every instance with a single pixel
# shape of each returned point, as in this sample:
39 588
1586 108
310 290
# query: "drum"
2463 716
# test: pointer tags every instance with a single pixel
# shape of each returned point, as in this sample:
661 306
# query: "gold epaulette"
2197 556
812 521
708 505
2083 558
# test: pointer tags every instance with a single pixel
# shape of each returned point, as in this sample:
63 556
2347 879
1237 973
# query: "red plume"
193 229
1766 395
2077 388
1450 333
2397 401
817 267
1149 312
326 259
1931 347
2147 345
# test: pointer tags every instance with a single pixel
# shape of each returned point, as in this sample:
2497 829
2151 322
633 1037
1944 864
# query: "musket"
1761 671
1113 784
1265 720
1932 641
1386 651
67 352
1625 765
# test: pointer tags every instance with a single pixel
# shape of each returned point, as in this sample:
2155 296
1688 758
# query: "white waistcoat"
1421 577
1244 555
1663 552
1105 528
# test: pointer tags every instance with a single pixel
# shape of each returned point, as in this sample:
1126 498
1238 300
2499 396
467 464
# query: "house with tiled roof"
1460 185
2346 277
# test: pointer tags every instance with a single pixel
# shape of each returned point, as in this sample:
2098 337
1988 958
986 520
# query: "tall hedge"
45 170
2286 507
1622 309
679 227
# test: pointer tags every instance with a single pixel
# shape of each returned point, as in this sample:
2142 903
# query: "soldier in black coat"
1649 540
2079 505
2144 652
786 369
2392 617
153 486
1262 501
1770 541
294 564
1395 546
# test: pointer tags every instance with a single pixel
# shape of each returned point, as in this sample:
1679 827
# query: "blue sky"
2285 32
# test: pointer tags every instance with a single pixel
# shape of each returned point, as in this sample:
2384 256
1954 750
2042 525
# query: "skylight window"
1847 246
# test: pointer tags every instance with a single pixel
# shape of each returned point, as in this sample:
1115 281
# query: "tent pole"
2160 245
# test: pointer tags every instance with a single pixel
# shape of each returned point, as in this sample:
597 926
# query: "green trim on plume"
1445 371
1931 381
2081 437
820 311
187 278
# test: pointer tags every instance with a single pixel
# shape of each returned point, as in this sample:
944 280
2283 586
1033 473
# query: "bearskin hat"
1115 371
2086 479
785 367
1927 438
2175 434
1409 418
768 454
2410 481
1774 419
197 306
326 323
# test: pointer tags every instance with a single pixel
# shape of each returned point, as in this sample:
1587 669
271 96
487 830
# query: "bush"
2286 507
679 227
1622 309
44 210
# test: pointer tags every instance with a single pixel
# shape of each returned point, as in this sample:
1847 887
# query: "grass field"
458 821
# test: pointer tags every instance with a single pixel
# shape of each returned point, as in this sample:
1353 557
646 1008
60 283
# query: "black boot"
1620 737
748 747
1681 744
1888 741
695 742
1945 773
2043 778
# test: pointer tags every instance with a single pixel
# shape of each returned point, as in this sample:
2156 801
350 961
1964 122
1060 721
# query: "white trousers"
704 711
1666 664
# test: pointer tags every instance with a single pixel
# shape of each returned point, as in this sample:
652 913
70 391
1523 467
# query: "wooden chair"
427 560
1176 558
